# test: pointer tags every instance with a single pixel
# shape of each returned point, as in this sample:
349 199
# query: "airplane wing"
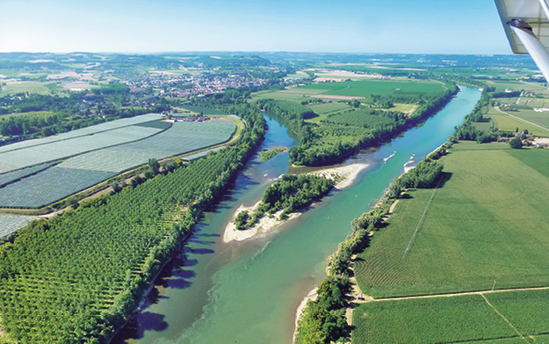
532 13
526 24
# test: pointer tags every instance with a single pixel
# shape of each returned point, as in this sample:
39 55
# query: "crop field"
328 107
359 118
432 320
10 224
110 150
120 123
379 87
405 108
27 86
29 113
534 102
486 224
203 109
15 159
540 118
281 95
465 318
10 177
182 137
510 121
518 86
362 88
48 186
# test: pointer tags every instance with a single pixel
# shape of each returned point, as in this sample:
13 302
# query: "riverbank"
143 301
344 177
312 295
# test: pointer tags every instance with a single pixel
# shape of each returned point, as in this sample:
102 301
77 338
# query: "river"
248 292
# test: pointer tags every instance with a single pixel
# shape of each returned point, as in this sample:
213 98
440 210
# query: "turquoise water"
248 292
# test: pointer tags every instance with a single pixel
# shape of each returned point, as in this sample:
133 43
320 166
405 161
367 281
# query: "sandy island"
345 175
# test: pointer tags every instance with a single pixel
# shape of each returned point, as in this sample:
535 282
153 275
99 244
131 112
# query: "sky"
353 26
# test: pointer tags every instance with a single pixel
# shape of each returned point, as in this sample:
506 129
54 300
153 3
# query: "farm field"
28 86
10 177
48 186
501 86
98 153
540 118
512 120
379 87
359 89
465 318
474 232
29 113
19 158
181 138
328 107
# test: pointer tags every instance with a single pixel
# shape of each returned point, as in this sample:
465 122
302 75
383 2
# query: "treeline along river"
248 292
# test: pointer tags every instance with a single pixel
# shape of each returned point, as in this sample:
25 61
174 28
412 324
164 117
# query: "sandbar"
344 176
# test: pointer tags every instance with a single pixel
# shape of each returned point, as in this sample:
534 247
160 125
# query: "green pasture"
323 108
431 320
540 118
501 86
9 73
484 126
280 95
28 86
486 224
381 87
298 74
534 102
511 121
465 318
404 108
27 114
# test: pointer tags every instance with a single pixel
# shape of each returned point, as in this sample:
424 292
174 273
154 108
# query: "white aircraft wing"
532 13
526 24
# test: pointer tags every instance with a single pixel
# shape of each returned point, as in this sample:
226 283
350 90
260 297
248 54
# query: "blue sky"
370 26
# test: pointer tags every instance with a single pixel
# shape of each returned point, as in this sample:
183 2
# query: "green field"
323 108
362 88
28 86
512 120
453 319
30 113
487 223
501 86
380 87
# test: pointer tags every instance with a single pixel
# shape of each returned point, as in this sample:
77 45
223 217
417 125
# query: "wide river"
248 292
